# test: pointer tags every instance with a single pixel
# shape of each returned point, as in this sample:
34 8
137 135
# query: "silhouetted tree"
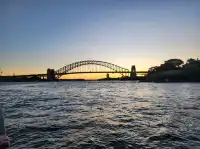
192 63
153 69
188 72
191 60
174 62
171 64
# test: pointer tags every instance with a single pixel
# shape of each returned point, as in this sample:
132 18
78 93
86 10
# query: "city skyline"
37 35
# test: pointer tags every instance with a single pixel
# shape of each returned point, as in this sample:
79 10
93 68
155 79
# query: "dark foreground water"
101 115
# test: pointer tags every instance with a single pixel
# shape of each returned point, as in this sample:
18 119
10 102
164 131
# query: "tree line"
176 70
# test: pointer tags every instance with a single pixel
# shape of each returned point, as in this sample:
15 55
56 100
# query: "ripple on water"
101 115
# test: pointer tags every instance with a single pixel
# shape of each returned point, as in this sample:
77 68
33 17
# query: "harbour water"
101 115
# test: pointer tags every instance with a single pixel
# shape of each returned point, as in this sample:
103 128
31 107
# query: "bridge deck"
122 72
43 75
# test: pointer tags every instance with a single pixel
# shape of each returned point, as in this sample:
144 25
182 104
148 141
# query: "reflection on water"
100 115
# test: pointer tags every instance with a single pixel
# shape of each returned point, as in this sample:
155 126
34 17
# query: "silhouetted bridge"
80 67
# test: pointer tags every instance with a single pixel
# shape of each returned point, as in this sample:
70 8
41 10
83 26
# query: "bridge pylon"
51 75
133 72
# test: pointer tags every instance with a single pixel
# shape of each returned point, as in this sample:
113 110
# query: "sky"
40 34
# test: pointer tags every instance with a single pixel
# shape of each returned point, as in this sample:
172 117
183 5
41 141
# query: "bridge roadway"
44 75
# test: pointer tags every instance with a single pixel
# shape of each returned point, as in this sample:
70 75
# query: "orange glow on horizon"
87 76
39 70
90 76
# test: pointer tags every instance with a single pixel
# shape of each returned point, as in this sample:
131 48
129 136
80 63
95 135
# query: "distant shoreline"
98 80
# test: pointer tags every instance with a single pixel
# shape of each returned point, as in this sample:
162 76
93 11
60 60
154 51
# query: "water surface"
101 115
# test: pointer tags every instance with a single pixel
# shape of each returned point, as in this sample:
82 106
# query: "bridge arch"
67 68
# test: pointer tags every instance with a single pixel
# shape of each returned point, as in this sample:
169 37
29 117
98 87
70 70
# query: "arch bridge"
75 68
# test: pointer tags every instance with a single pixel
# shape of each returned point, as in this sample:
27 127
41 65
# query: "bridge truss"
68 68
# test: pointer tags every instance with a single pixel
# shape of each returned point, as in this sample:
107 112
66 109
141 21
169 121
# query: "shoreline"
111 80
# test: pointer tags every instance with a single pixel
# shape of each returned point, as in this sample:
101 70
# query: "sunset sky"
40 34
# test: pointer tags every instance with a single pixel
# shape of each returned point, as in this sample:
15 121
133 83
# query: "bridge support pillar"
51 75
107 76
133 72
